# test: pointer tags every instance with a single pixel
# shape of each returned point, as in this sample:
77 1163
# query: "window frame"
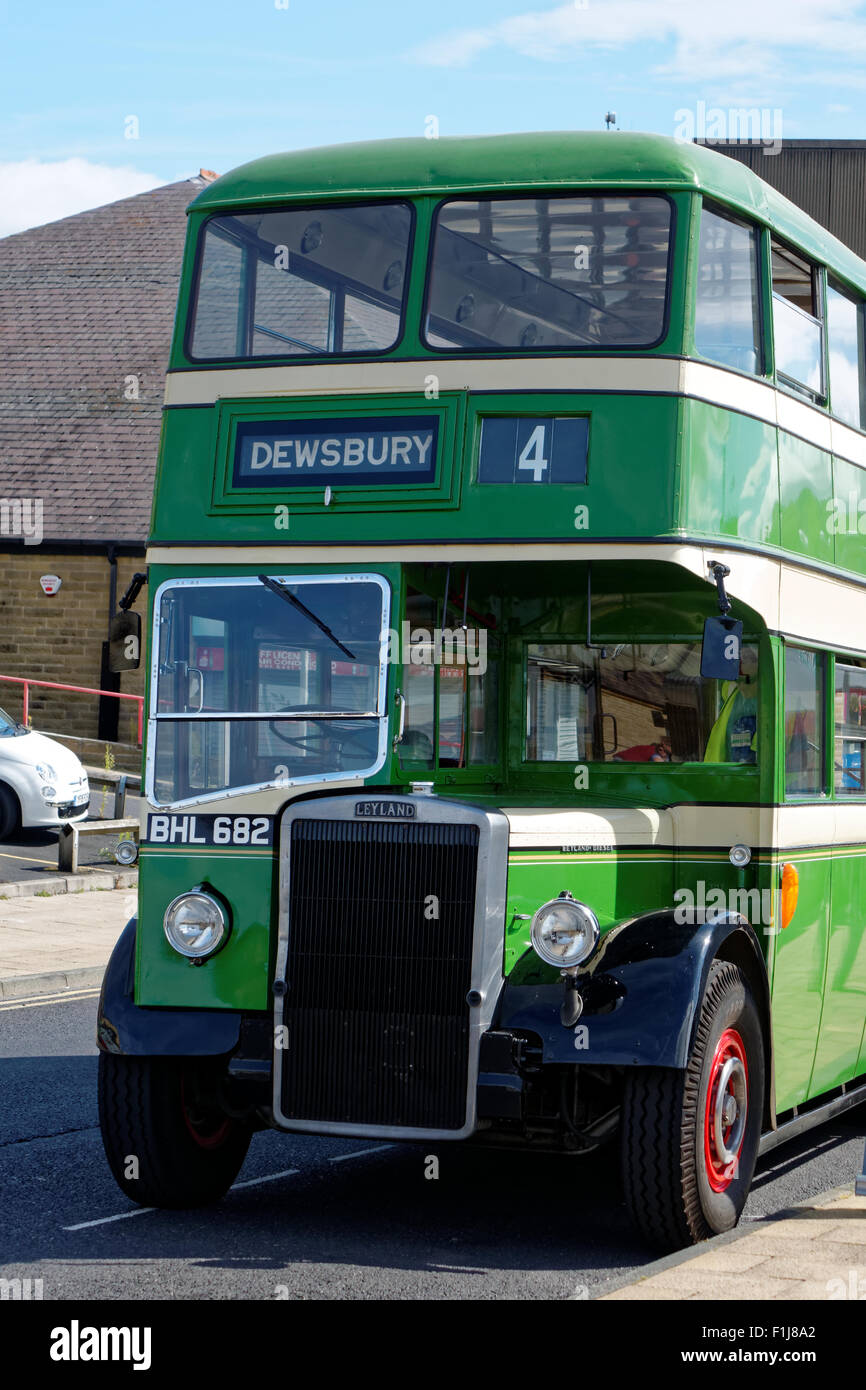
819 299
527 639
729 215
855 297
471 772
579 191
823 721
834 659
155 718
246 300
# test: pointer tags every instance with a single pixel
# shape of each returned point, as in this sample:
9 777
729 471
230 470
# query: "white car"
42 784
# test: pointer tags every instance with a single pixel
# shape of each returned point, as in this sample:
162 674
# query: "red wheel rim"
205 1138
726 1110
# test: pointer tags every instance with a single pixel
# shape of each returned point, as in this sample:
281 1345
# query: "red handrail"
27 681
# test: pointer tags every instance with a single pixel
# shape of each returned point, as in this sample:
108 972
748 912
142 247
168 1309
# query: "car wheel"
690 1138
10 812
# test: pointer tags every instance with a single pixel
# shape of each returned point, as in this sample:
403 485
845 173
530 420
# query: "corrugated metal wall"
826 178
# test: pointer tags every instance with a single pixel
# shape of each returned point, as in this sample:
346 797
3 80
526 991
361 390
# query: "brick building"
86 312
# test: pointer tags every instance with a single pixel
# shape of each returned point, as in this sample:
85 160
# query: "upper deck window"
728 308
301 282
845 339
548 273
797 327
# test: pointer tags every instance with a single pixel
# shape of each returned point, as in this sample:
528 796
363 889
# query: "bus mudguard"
640 991
124 1028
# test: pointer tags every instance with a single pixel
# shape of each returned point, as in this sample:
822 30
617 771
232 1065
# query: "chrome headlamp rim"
590 921
211 899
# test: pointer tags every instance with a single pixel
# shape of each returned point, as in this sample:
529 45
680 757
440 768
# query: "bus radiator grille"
379 965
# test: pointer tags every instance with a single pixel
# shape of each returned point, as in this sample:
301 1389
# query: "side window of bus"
728 307
637 703
845 338
849 777
797 322
804 722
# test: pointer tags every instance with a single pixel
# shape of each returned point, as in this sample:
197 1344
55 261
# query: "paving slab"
50 944
815 1252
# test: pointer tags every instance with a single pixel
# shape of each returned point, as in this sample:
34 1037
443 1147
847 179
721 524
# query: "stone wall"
60 638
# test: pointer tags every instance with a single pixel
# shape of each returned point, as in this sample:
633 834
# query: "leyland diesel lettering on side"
506 702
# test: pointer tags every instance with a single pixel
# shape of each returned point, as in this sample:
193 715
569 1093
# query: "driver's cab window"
450 685
637 703
267 680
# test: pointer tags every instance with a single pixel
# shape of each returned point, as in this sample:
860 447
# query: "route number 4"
532 454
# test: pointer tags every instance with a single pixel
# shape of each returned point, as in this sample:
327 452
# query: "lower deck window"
850 721
636 703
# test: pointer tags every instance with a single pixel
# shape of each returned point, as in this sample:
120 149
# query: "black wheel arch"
128 1029
641 992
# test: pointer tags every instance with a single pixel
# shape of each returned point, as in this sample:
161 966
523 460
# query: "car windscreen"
9 727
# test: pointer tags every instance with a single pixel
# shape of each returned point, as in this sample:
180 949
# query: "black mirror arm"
136 584
719 574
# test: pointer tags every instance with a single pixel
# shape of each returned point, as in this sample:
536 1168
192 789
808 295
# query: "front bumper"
38 814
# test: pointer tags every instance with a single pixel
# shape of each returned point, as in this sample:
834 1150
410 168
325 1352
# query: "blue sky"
215 82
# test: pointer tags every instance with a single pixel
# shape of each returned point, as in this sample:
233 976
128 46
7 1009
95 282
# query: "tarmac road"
315 1218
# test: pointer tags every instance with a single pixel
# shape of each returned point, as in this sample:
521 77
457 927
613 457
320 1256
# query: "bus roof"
549 159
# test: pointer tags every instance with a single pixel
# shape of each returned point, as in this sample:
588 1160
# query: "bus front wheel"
690 1138
166 1141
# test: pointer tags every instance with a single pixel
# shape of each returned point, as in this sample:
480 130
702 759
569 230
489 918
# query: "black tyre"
166 1142
10 812
690 1138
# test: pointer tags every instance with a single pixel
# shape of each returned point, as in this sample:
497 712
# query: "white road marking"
270 1177
359 1153
37 1001
142 1211
103 1220
250 1182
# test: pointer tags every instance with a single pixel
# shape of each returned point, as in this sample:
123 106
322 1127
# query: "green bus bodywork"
682 468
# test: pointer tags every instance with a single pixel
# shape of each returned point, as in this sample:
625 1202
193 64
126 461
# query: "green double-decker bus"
507 673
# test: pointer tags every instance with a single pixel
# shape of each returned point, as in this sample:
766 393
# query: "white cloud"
707 40
34 191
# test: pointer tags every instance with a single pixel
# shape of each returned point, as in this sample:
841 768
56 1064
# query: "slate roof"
86 302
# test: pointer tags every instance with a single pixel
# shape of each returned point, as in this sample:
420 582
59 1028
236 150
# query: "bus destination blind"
534 449
344 452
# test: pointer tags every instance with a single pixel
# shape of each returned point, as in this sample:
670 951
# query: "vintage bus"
507 673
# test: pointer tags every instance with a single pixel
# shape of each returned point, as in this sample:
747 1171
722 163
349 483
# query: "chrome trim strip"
487 946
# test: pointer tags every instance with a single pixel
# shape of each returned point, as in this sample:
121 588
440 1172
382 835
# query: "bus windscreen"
540 274
301 282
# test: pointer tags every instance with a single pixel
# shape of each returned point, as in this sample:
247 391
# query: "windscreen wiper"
284 593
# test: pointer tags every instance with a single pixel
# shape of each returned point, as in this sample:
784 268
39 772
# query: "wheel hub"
727 1110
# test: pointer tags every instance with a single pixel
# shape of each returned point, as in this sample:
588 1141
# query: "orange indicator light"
790 893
